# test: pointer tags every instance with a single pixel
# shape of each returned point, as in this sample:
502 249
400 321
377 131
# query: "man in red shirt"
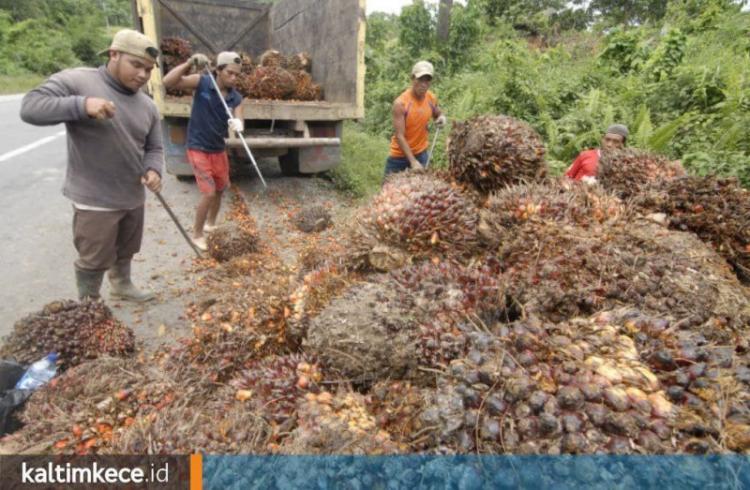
586 163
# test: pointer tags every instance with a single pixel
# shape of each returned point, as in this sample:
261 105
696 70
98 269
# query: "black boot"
122 287
88 283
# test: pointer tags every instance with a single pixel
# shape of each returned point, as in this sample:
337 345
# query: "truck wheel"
290 163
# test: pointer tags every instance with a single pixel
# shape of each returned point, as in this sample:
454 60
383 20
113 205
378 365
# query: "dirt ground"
166 262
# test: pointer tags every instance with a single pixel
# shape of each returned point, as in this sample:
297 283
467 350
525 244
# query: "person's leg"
94 237
422 157
394 165
220 166
204 178
129 237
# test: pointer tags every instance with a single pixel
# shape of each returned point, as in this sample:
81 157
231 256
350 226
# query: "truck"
304 136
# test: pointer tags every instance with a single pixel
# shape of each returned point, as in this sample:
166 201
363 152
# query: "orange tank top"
418 115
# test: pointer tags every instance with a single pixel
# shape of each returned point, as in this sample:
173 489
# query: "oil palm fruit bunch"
558 272
229 241
444 295
491 152
563 202
314 293
174 51
337 424
299 61
305 88
247 66
715 209
76 331
272 58
626 171
366 333
270 82
275 384
415 215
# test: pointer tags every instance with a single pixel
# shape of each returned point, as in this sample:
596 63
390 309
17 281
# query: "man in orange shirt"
586 164
412 111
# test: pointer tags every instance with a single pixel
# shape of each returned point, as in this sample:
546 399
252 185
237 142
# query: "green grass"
362 162
15 84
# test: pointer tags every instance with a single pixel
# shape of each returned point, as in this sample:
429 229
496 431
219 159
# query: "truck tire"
290 163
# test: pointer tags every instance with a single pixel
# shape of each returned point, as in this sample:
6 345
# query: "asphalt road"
36 249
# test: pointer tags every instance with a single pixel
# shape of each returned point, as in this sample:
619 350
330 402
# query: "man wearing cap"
412 111
114 150
207 129
586 164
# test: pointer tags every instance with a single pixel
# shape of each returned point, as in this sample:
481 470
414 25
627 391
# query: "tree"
444 20
635 12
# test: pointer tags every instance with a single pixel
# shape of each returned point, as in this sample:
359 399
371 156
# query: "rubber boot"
89 283
122 287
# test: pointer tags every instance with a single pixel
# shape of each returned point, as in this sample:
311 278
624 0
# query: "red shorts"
211 170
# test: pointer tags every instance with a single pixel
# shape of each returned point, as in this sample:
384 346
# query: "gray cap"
620 129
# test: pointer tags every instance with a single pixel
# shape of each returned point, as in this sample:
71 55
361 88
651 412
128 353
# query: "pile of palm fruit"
275 76
488 309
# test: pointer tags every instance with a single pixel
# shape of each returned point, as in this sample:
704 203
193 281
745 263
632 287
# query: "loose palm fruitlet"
416 214
555 201
77 331
491 152
337 424
270 82
229 241
573 387
625 171
274 385
715 209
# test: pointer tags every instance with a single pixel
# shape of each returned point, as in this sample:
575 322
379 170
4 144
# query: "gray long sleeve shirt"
106 158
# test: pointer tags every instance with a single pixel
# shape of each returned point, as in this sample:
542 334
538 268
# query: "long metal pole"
177 222
432 148
239 134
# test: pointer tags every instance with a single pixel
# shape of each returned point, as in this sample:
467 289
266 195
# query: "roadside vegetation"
676 72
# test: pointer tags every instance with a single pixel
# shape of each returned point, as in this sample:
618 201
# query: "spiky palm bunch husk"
715 209
491 152
626 171
274 385
76 331
230 241
415 215
84 408
313 219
